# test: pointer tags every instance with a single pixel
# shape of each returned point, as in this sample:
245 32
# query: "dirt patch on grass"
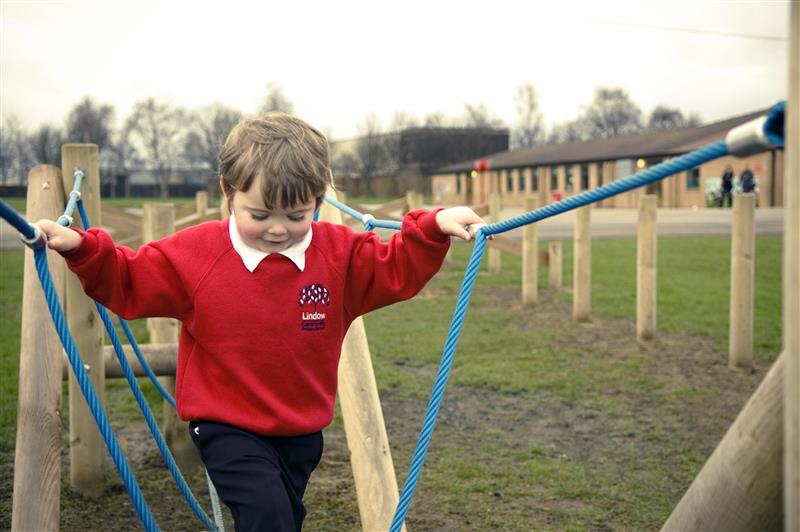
630 435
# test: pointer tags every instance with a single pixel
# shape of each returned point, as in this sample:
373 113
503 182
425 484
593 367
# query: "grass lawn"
540 412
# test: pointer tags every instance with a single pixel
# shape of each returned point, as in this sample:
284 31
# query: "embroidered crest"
314 294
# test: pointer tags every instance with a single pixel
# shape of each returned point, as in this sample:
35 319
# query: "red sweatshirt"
260 350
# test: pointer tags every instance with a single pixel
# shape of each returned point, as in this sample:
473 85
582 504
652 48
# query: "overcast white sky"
341 60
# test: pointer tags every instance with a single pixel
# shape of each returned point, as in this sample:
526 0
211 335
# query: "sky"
339 61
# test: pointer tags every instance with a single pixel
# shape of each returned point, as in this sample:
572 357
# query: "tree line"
162 137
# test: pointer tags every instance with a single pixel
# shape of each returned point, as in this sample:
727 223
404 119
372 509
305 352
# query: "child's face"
270 231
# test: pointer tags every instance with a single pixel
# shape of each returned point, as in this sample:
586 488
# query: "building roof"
661 143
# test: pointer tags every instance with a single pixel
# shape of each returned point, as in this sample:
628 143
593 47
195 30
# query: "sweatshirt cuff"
86 249
427 223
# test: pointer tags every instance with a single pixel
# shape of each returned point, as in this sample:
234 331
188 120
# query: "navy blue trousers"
260 478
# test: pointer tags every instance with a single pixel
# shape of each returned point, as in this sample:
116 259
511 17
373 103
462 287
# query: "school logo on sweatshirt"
311 297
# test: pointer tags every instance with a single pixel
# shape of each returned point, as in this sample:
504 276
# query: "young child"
265 299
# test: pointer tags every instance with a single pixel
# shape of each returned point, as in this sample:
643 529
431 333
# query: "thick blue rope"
129 334
655 173
679 164
82 377
140 400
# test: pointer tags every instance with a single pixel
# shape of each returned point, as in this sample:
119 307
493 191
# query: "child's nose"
276 229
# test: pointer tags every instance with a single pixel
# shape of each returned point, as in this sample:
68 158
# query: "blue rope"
655 173
19 223
368 220
685 162
129 334
74 196
140 400
82 377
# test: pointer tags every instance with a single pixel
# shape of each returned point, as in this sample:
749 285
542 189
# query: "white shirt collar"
252 257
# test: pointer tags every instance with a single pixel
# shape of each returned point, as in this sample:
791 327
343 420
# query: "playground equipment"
737 487
380 479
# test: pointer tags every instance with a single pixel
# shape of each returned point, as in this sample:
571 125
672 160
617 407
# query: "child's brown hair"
290 156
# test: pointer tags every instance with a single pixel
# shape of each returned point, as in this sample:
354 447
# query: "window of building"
600 174
520 179
554 178
568 181
509 181
693 178
584 177
535 179
459 177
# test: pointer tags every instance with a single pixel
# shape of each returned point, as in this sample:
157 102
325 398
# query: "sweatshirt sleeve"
384 273
133 284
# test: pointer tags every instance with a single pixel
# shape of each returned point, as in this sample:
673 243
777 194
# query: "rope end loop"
758 135
38 240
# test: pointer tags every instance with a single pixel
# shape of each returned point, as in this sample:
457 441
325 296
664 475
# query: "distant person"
747 180
726 187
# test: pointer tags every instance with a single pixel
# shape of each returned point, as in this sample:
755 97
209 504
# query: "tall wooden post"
791 280
530 256
739 487
86 450
555 259
370 454
201 202
37 459
413 200
646 261
742 270
494 217
582 266
158 221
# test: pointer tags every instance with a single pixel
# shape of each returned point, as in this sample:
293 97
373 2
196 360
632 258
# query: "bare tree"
612 113
480 116
573 131
15 154
371 150
344 165
664 117
45 145
210 128
90 122
529 130
403 120
436 120
276 100
121 153
156 130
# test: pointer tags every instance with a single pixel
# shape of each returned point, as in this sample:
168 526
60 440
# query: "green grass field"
693 283
499 355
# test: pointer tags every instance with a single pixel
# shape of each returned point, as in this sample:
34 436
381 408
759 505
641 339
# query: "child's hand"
59 238
459 221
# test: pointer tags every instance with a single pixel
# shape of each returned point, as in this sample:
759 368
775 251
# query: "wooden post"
791 280
646 266
201 202
554 264
87 450
494 217
413 200
530 256
158 221
742 268
370 455
582 266
37 459
224 211
739 487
